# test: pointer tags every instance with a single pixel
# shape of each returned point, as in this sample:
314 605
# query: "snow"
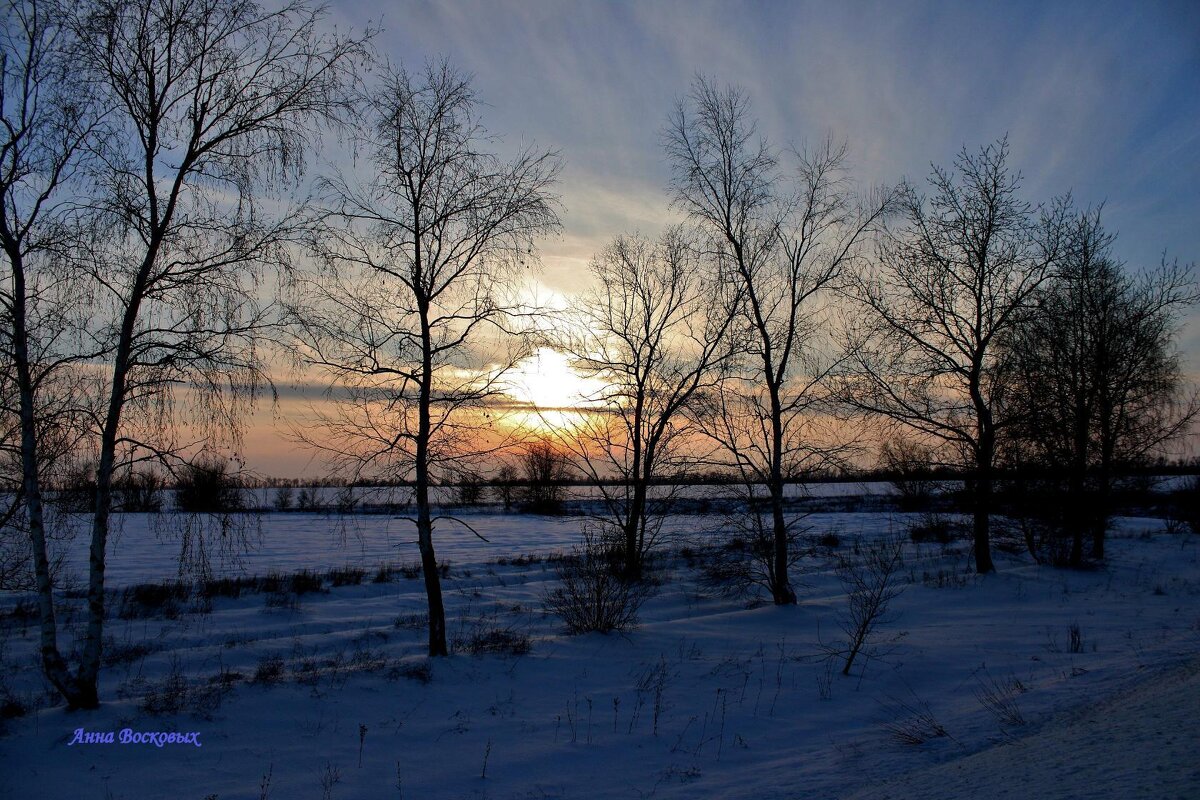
747 704
1139 744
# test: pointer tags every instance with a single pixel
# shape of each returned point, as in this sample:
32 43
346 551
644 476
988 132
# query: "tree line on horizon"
150 161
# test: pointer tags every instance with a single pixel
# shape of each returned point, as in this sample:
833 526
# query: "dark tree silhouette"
654 331
1097 380
414 264
208 104
784 242
955 273
546 467
48 117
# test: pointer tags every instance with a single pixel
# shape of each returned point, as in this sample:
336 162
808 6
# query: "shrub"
999 697
304 582
77 488
227 587
206 486
909 463
871 582
932 528
830 540
347 576
306 499
546 470
115 652
269 670
469 490
153 599
139 492
913 723
419 671
176 694
283 498
593 595
485 640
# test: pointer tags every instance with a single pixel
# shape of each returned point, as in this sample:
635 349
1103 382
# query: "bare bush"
207 486
485 637
593 595
913 722
872 582
999 697
546 468
932 527
283 498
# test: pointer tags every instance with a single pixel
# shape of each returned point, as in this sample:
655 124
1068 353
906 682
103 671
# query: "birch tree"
954 274
48 120
212 105
785 239
408 312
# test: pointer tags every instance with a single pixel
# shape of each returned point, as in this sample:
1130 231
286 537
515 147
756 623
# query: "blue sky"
1099 98
1102 99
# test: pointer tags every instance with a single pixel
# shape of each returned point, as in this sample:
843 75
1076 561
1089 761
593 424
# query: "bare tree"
211 104
414 265
47 122
546 468
909 465
872 581
954 275
784 241
1097 381
652 331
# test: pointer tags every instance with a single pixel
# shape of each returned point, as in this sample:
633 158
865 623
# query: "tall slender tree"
210 104
415 264
654 333
48 120
954 274
785 241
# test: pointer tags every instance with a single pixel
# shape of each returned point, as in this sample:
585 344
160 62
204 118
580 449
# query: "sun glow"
546 380
557 393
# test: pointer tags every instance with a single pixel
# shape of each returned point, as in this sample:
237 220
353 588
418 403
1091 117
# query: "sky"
1100 99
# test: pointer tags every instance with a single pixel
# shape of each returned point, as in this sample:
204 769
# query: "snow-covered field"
327 694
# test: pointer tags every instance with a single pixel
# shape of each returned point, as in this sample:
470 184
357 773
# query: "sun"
547 381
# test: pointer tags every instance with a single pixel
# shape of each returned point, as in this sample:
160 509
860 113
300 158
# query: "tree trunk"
1108 446
1077 514
53 665
429 566
781 588
985 455
633 526
981 522
636 511
1102 508
89 667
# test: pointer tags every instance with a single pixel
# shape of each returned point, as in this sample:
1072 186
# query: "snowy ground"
326 694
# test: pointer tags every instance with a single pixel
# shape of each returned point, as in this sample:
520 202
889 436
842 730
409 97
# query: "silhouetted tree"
1097 379
206 486
954 274
414 264
653 332
209 104
48 118
784 241
545 469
